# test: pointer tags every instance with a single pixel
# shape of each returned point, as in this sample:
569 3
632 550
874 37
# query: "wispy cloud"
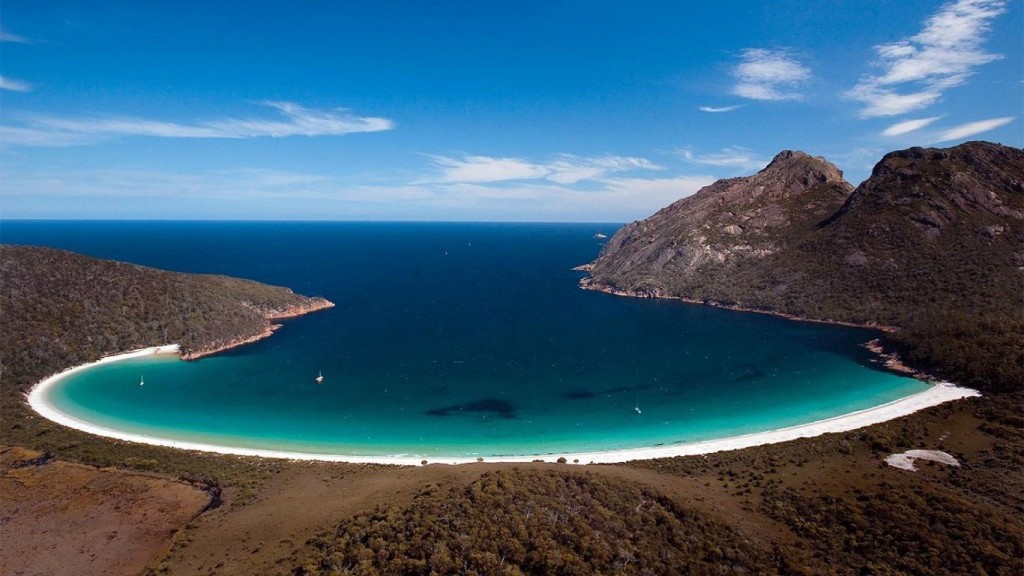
655 193
602 200
907 126
769 75
14 135
8 83
732 157
569 169
233 184
563 169
714 109
245 193
14 85
972 128
297 121
942 56
6 36
486 169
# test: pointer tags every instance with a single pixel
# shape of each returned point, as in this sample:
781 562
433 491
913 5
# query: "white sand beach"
938 393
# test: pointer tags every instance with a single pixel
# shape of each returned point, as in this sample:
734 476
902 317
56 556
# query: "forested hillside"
59 309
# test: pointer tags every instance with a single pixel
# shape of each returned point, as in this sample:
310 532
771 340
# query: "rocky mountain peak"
731 220
935 187
794 171
788 156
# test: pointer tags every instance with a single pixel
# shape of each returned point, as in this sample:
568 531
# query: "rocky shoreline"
890 360
315 304
293 311
591 284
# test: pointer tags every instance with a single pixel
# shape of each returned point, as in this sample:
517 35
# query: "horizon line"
309 221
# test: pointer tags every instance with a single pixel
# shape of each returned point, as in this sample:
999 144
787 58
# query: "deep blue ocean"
456 339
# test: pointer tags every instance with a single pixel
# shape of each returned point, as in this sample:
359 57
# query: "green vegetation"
821 506
849 518
917 530
60 309
535 522
825 505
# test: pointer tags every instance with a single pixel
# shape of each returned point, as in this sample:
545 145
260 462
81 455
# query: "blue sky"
514 111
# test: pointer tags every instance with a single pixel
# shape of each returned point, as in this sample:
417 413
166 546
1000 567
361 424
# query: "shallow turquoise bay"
458 340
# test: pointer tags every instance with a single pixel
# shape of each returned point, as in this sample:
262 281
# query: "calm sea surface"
457 340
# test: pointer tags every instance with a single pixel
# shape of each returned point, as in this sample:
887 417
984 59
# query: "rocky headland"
313 304
61 308
731 220
932 243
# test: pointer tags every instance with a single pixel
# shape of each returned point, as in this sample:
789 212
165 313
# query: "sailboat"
319 377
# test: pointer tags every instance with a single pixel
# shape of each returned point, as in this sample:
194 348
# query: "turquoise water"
458 340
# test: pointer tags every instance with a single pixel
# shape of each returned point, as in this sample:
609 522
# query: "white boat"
319 377
142 381
636 408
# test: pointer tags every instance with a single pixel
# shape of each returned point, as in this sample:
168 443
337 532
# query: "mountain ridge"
729 220
931 243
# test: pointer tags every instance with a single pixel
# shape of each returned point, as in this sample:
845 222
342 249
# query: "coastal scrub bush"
536 522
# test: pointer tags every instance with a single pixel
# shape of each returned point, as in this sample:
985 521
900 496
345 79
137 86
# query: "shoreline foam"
939 393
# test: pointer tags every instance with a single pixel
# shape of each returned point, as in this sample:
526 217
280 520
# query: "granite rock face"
932 243
796 233
730 220
970 193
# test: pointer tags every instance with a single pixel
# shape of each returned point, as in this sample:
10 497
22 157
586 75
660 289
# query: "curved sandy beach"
939 393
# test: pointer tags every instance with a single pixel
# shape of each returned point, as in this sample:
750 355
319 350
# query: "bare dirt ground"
268 535
58 518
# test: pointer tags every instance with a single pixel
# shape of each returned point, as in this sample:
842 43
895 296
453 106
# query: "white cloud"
486 169
297 121
564 169
302 121
611 199
235 185
942 56
714 109
769 75
653 194
906 126
14 85
31 137
6 36
569 169
732 157
256 192
972 128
